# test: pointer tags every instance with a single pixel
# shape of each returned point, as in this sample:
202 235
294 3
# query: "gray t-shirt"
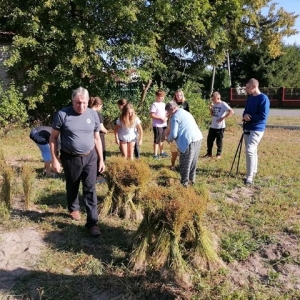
218 111
76 130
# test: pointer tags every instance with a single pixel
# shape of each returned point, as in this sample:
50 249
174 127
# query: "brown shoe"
94 231
75 215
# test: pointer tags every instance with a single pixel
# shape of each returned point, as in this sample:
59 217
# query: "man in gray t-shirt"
81 146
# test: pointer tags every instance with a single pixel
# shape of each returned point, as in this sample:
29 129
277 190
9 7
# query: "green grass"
245 220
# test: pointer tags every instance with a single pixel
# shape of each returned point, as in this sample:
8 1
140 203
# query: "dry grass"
243 221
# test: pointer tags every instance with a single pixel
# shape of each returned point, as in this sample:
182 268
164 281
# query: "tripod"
238 152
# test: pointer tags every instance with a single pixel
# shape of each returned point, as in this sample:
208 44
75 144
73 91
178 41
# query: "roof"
6 36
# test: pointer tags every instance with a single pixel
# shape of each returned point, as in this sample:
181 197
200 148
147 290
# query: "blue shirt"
258 108
184 130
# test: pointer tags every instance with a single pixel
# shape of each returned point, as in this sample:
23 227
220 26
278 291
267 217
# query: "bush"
12 109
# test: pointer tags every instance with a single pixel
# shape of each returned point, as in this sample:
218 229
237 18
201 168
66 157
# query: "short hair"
122 101
160 93
80 92
216 94
172 104
95 101
253 82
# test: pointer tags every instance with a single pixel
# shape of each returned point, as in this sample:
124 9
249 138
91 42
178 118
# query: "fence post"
281 96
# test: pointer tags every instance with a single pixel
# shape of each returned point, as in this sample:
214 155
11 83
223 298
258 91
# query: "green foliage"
12 108
199 108
282 71
237 246
60 45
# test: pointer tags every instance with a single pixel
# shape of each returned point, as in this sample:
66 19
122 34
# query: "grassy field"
258 227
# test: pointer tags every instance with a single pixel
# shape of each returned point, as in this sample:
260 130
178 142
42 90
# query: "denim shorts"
45 150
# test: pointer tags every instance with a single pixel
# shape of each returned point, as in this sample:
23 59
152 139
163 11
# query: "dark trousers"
215 134
81 169
136 150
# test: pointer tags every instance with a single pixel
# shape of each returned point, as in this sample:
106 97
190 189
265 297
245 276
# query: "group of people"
79 132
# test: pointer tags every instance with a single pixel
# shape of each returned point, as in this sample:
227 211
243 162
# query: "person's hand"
140 142
247 118
220 120
56 167
117 141
101 167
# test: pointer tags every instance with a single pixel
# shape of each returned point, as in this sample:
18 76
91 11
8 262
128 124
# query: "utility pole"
212 81
228 67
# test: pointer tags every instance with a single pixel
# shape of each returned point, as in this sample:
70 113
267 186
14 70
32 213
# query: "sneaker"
75 215
218 156
172 168
155 157
94 231
207 155
164 154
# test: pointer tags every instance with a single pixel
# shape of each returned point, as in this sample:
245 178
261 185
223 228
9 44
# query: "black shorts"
159 134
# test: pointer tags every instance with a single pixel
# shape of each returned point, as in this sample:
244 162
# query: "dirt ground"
20 251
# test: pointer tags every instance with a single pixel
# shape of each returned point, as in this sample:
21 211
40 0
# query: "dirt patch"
276 264
19 253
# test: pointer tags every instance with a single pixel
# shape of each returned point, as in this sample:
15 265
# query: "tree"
283 70
62 44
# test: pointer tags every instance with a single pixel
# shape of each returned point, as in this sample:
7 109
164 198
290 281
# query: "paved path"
275 112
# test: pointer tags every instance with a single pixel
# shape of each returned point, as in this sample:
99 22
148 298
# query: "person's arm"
186 106
53 141
140 131
155 116
173 130
230 112
102 128
99 150
211 109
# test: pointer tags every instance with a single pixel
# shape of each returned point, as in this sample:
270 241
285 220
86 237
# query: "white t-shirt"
218 111
159 109
128 134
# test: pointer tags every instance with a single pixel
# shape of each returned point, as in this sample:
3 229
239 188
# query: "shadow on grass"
24 284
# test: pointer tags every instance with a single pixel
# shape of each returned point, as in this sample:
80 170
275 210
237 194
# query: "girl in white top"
125 131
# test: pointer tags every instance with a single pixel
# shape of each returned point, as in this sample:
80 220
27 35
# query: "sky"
291 6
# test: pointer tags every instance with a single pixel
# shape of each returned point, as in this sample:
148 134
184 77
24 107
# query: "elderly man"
255 118
79 127
188 137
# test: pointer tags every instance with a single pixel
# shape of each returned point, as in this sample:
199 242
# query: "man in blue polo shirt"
255 118
81 146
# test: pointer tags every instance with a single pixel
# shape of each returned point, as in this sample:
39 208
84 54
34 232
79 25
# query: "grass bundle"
28 176
171 237
125 179
8 176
